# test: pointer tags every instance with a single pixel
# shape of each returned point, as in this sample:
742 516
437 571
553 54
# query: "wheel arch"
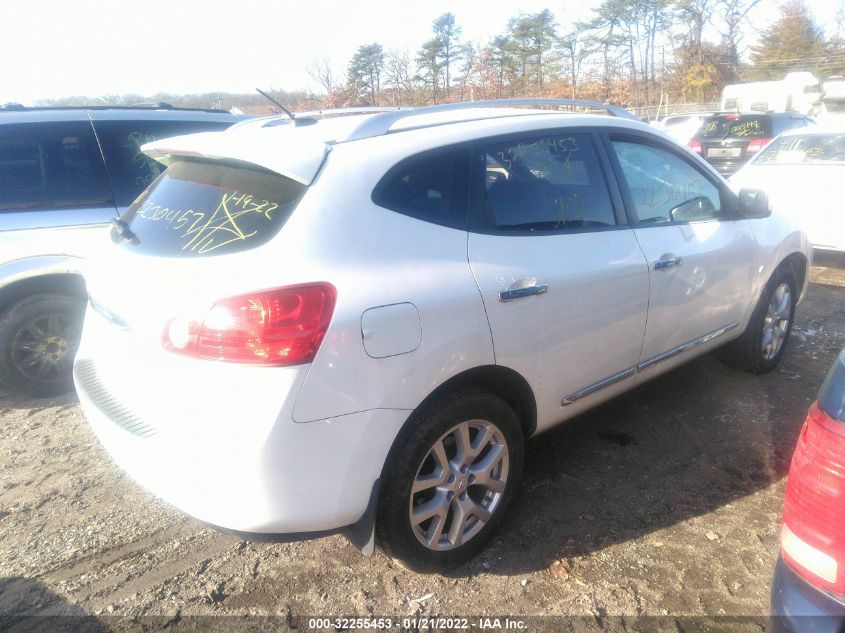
799 267
71 284
500 381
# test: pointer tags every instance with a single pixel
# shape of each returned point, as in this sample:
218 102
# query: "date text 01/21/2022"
417 623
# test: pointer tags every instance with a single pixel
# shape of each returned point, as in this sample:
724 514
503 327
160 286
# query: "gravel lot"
665 501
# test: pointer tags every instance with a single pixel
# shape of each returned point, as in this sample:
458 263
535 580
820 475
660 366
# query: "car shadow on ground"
27 605
678 447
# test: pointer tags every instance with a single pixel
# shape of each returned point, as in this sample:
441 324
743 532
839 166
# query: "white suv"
354 323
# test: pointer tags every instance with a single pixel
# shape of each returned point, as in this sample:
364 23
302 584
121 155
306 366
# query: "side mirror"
754 204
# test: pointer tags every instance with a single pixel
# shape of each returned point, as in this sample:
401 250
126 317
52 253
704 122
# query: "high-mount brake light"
813 536
283 326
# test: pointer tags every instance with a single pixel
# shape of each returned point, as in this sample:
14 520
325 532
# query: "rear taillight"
284 326
756 144
813 538
695 146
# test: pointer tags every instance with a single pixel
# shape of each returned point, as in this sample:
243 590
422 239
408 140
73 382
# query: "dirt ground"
665 501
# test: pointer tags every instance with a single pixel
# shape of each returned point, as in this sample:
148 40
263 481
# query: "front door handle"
523 288
668 261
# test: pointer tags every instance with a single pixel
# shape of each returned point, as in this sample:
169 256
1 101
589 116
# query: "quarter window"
546 183
433 187
51 165
664 187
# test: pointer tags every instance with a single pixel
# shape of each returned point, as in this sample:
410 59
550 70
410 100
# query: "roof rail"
380 124
16 107
355 110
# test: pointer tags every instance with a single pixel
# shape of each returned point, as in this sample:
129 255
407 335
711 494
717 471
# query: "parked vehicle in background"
808 592
64 174
359 320
727 140
802 171
831 107
796 92
682 127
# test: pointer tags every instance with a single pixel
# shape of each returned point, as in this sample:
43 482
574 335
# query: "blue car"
808 593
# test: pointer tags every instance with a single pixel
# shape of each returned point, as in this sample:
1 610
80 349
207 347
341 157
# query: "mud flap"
362 533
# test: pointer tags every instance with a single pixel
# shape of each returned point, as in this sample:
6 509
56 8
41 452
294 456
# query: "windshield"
736 126
199 209
806 148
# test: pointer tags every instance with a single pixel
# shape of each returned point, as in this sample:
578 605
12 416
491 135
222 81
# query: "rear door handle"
668 261
523 291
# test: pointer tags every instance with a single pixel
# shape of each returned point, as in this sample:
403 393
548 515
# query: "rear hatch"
728 140
193 238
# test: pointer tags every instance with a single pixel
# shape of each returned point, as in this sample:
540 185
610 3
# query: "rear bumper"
727 168
218 441
297 478
799 608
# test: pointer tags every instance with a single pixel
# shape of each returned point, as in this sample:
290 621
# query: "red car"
808 593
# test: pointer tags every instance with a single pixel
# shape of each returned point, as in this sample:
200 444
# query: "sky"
59 48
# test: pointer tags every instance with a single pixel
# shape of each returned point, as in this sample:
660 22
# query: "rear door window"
199 209
129 169
51 165
548 183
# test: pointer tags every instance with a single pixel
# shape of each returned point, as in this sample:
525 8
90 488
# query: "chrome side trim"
601 384
656 360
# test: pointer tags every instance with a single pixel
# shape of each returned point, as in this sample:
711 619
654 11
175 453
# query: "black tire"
39 336
394 530
746 352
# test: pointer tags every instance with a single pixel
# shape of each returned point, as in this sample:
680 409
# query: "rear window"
130 170
200 209
51 165
806 148
733 126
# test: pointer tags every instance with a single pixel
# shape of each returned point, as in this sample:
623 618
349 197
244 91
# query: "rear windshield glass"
807 148
200 209
832 395
746 126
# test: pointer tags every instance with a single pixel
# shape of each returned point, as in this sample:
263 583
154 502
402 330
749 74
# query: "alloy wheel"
459 485
776 322
43 348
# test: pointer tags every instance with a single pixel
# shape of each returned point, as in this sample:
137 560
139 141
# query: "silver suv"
65 173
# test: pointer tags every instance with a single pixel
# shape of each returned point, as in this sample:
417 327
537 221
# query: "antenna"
290 114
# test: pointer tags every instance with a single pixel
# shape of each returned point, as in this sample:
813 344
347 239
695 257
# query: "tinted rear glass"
746 126
806 148
433 187
200 209
51 165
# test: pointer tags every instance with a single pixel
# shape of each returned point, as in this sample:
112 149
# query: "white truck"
831 106
798 91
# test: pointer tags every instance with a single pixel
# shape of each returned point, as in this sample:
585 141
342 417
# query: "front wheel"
448 481
760 348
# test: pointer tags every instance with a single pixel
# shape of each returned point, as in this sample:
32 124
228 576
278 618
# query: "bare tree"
320 71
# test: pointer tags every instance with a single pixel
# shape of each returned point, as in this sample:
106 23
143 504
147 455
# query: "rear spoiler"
296 158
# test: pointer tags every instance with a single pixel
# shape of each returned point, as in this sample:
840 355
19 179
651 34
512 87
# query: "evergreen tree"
794 42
